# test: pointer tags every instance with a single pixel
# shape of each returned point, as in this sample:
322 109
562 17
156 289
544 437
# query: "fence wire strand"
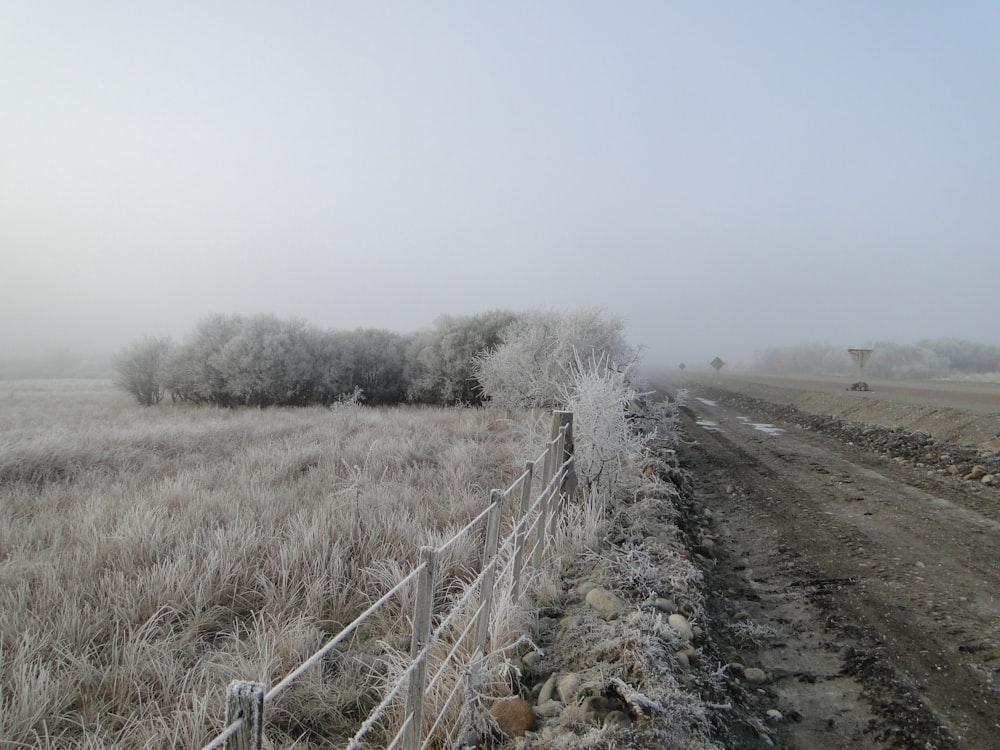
340 637
468 527
225 735
500 565
458 643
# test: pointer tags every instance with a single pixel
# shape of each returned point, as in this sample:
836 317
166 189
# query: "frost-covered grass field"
148 556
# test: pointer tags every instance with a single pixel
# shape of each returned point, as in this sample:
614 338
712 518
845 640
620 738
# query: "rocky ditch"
637 649
642 648
628 654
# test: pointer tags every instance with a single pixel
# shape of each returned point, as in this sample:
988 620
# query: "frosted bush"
140 369
440 361
580 362
265 361
540 354
603 439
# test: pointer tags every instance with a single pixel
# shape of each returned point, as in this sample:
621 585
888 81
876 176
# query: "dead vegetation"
147 557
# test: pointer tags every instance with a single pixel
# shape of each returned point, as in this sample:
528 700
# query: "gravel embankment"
627 656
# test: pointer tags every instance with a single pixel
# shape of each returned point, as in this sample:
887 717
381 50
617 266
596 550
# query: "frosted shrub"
265 361
603 438
540 354
579 362
269 361
440 361
140 369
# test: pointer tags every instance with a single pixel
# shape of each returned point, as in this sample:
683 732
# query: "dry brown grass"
149 556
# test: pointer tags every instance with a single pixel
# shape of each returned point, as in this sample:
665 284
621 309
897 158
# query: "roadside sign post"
860 356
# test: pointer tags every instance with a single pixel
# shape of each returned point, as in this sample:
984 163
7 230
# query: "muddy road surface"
865 586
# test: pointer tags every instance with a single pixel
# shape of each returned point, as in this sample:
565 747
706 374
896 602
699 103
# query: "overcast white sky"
727 175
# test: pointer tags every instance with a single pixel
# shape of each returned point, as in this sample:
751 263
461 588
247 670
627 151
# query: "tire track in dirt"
881 588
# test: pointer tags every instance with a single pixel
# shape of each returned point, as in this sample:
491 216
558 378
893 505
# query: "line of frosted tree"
512 359
539 360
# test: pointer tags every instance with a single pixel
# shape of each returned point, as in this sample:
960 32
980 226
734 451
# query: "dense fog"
726 177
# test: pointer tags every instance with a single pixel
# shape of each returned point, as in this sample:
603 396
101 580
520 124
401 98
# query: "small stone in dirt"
617 719
585 587
665 605
682 659
680 624
549 709
755 675
568 686
566 623
532 659
514 716
605 602
775 716
548 691
977 472
594 709
989 479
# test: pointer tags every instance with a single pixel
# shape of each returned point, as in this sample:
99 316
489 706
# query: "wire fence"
432 701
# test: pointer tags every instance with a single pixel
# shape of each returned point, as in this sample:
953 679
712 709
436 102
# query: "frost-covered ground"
621 658
149 556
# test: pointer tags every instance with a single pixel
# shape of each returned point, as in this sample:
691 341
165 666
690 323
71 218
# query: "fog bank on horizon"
727 178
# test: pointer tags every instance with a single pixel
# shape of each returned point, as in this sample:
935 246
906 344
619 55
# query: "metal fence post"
489 571
519 538
245 700
423 610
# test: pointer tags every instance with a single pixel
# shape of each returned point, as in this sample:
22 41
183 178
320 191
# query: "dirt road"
866 587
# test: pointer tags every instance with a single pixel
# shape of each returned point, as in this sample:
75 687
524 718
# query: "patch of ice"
768 429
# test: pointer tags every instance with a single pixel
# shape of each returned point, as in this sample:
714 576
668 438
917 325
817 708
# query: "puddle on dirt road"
708 424
767 429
